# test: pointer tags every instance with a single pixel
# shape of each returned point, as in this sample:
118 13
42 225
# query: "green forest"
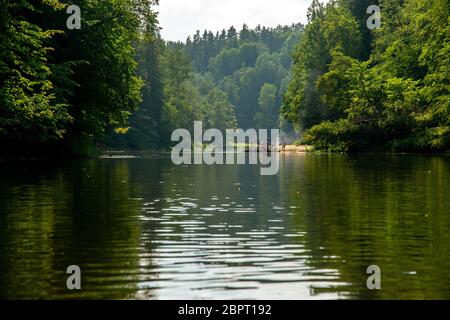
226 79
385 89
116 84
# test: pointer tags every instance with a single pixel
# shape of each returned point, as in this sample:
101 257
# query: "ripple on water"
210 245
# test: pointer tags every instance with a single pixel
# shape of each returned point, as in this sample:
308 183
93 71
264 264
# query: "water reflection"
143 228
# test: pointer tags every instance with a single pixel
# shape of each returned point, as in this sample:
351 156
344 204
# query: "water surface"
146 229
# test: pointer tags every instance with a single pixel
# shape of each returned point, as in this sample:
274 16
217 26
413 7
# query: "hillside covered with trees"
250 65
388 88
227 80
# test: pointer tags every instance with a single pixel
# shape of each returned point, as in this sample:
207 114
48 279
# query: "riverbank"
131 153
295 149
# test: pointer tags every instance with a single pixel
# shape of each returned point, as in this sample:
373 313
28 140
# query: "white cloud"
181 18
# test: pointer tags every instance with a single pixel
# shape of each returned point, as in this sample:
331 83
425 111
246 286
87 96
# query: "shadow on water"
391 211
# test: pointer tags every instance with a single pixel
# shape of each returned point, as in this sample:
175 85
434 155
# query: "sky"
181 18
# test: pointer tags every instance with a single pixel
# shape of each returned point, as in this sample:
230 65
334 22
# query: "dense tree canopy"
242 62
396 97
29 106
58 84
228 79
117 84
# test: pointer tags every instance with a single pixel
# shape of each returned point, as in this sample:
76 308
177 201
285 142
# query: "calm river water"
146 229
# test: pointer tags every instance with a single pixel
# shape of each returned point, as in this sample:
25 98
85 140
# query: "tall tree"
29 110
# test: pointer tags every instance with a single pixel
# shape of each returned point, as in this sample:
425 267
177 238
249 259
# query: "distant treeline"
228 79
251 66
384 89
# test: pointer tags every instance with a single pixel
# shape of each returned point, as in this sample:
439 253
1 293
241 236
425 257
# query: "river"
146 229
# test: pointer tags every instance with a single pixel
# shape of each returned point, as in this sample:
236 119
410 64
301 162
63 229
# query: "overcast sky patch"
181 18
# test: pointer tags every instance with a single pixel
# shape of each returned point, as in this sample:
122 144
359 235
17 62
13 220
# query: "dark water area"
146 229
